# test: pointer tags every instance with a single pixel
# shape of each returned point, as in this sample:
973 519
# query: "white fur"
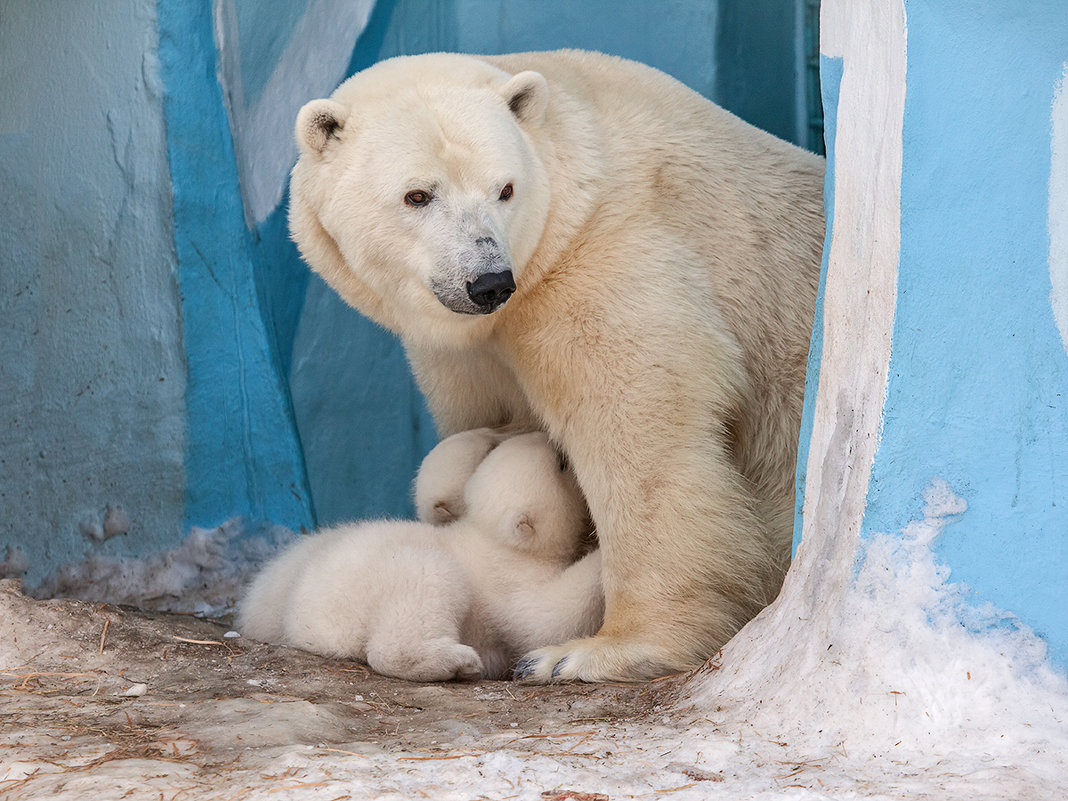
665 255
433 603
440 482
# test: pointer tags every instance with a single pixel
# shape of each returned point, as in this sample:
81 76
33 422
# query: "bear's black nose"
491 290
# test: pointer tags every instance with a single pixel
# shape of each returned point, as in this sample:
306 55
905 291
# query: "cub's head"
439 484
419 194
524 492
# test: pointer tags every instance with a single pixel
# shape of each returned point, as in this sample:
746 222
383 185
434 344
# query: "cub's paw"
466 664
436 660
596 659
451 661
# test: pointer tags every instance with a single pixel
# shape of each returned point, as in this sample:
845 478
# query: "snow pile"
205 575
882 664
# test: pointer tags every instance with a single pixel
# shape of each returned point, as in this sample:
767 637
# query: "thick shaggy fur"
433 603
665 256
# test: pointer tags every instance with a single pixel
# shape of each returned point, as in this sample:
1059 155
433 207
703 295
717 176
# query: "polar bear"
439 483
433 603
578 243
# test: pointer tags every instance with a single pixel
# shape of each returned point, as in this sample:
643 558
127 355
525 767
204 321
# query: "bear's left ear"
527 95
317 123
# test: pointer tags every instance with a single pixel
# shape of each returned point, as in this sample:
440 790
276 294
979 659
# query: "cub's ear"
527 95
521 527
317 123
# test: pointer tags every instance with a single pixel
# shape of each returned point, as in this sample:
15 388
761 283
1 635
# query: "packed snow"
204 575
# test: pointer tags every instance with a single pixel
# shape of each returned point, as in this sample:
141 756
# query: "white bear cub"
457 601
439 485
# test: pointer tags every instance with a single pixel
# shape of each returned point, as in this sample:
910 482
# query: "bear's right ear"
527 96
317 123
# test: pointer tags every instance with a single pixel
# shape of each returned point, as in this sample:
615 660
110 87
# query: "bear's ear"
521 527
442 514
317 123
527 95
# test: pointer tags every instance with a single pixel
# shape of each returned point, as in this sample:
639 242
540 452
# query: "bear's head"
525 494
419 194
439 484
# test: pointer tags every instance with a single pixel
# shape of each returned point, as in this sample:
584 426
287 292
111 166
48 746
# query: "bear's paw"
595 659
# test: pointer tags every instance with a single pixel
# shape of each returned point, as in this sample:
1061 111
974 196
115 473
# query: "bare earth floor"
99 702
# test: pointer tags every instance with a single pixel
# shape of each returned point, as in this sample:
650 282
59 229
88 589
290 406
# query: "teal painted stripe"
978 381
830 86
243 456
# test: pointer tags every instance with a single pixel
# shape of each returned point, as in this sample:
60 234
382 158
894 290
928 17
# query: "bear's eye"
507 192
417 197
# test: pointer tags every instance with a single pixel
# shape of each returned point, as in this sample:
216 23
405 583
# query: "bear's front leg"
646 413
686 564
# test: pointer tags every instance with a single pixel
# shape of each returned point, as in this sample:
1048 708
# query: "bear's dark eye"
417 198
507 192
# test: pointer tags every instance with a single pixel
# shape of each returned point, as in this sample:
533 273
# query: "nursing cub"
462 600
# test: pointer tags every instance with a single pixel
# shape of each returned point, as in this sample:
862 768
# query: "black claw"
558 667
524 668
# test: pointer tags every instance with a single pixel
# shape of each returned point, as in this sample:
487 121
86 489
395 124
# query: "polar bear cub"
457 601
440 482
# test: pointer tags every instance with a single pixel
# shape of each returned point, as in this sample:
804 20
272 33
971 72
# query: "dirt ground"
100 702
115 702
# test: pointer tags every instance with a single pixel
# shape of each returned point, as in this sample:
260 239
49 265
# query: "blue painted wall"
243 455
831 82
978 388
744 56
757 63
92 365
164 348
264 29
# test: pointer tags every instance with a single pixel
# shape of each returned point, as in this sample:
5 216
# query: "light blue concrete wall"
264 29
141 389
744 56
977 386
758 57
92 368
831 82
679 38
978 389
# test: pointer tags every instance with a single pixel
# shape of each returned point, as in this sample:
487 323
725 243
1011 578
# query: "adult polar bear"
580 243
